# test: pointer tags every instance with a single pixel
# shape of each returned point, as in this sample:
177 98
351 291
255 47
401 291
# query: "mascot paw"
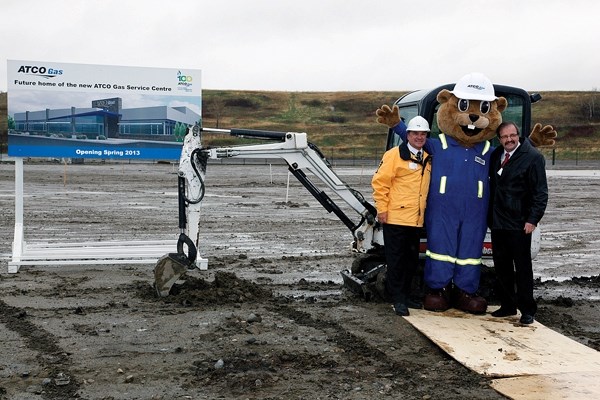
543 136
388 116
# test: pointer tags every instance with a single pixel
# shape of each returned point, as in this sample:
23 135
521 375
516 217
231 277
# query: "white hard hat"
474 86
418 123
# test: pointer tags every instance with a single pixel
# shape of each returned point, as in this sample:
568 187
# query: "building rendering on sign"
106 118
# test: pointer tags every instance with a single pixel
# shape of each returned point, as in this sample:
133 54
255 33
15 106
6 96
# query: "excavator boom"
302 158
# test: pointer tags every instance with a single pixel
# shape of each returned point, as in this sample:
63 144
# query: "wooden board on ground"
502 346
535 361
574 385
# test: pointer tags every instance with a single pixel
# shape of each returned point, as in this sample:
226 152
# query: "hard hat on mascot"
474 86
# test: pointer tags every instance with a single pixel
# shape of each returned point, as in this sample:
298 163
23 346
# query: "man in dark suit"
518 199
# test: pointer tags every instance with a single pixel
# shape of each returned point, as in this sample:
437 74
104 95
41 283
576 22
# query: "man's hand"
529 228
388 116
382 217
542 136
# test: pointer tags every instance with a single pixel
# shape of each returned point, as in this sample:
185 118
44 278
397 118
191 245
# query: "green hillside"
341 120
343 123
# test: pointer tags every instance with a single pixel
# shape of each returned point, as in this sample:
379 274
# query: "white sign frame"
72 78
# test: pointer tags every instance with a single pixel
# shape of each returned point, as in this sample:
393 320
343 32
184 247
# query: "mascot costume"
456 213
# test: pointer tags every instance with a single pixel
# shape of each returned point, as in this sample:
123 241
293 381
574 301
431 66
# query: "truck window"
514 111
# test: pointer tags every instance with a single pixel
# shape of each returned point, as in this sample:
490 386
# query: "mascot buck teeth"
457 205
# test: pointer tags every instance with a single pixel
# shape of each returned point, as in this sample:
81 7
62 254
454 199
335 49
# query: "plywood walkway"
527 361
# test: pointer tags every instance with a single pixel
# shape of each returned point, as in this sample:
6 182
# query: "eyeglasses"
511 136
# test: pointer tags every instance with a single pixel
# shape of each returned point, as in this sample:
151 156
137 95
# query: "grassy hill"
341 120
344 122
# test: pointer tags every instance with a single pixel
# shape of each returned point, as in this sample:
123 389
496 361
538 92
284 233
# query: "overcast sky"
317 45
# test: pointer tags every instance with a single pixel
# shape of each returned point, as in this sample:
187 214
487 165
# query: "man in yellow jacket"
400 187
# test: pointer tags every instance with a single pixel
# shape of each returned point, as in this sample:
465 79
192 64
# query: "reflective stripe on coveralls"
443 140
453 260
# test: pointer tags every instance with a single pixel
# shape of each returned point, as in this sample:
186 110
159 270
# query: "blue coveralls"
456 213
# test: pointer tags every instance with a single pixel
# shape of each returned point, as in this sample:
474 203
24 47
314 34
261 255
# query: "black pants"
402 258
514 272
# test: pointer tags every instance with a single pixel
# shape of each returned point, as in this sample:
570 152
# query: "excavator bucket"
171 267
168 270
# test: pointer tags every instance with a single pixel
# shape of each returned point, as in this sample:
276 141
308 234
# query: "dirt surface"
269 319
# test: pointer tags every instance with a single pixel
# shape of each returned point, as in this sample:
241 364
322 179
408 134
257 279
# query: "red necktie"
506 157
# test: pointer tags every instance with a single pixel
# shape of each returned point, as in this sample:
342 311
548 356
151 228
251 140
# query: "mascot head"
471 112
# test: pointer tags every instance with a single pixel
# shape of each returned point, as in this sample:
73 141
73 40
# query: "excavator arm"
303 159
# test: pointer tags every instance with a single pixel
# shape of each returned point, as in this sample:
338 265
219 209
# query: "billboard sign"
67 110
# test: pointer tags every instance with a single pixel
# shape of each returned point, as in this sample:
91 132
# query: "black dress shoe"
526 319
401 309
504 312
414 303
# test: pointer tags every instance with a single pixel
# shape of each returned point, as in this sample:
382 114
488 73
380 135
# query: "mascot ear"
501 104
443 96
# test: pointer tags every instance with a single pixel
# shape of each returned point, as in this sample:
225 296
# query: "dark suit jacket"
520 193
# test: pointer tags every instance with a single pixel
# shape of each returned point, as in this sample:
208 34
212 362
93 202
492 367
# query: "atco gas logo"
476 87
184 82
42 72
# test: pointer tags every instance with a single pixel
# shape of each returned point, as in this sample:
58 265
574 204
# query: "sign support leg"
18 242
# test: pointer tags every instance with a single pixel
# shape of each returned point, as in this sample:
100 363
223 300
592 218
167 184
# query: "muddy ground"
269 319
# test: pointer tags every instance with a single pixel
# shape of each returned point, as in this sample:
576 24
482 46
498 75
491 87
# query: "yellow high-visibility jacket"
400 186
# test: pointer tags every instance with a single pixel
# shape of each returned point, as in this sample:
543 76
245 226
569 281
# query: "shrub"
337 119
312 103
241 102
